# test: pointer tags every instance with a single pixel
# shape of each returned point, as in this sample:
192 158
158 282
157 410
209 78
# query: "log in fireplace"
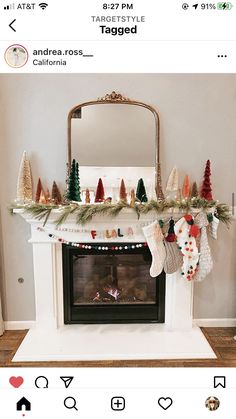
111 286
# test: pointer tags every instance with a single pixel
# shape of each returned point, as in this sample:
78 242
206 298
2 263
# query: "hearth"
110 286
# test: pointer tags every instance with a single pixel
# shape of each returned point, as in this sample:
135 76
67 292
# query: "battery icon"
224 6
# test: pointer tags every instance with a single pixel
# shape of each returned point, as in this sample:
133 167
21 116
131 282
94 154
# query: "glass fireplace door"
111 286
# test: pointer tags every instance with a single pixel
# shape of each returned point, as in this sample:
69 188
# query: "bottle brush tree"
194 192
56 194
24 182
38 190
186 188
73 193
123 193
99 197
206 191
173 181
141 191
87 196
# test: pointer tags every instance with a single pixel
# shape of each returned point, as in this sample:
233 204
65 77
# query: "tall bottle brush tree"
206 191
24 182
73 193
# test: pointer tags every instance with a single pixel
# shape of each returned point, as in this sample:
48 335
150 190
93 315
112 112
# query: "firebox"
102 285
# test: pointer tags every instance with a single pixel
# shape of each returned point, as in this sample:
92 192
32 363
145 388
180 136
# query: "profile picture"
16 56
212 403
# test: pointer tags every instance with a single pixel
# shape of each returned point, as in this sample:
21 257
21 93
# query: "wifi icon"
43 5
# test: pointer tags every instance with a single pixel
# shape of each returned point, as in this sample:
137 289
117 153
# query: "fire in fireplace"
111 286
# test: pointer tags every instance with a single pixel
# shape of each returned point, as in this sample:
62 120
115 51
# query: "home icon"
23 403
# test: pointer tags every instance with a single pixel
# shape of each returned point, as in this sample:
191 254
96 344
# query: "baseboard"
21 325
215 322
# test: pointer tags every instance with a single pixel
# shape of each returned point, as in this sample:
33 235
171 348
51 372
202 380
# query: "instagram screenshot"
117 209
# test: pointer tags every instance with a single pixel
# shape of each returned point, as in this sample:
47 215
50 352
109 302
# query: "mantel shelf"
126 214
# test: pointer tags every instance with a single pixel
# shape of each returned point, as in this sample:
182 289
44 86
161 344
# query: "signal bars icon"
43 5
9 7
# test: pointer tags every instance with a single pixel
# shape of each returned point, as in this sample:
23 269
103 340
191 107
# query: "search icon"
70 403
41 382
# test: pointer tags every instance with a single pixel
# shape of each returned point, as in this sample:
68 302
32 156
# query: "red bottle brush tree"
206 191
38 190
123 193
99 197
56 194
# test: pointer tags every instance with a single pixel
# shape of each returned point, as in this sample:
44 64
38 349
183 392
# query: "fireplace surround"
50 339
111 287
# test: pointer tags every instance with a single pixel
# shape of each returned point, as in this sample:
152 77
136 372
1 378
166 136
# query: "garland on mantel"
98 246
85 212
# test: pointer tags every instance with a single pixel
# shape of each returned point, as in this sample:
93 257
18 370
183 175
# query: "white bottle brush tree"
173 183
24 183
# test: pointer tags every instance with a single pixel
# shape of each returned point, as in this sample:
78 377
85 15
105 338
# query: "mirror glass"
114 141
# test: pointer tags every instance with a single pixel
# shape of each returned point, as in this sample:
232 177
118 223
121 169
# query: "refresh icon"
41 382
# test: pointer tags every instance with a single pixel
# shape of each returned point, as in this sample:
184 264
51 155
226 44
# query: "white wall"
198 121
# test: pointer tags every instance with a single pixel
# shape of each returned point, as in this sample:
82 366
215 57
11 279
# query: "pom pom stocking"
213 227
205 260
154 238
187 246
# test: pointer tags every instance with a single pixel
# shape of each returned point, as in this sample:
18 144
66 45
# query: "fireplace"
50 339
111 286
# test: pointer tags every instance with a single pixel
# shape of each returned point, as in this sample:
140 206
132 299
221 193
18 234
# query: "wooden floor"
220 339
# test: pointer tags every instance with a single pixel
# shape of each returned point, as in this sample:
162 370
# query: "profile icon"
16 56
212 403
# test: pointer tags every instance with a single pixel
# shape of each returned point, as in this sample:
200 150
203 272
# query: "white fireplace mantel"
47 261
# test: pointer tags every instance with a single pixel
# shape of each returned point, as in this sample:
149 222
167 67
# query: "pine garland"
86 212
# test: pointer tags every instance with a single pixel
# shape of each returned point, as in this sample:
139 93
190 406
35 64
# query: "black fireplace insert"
111 286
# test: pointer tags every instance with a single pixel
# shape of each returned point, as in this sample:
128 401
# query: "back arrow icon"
10 25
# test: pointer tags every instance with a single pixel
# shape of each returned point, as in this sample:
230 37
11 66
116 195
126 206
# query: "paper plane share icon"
195 6
67 381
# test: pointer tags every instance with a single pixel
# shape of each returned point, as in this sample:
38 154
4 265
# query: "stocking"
213 227
174 258
154 237
187 244
205 259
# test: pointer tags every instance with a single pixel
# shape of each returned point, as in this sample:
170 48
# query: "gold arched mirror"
113 138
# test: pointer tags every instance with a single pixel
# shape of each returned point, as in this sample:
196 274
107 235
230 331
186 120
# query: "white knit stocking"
205 260
154 237
174 259
213 227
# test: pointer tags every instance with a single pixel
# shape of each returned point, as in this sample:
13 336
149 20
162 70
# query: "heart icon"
165 402
16 381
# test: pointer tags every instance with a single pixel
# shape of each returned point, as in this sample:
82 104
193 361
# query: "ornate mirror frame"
118 99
